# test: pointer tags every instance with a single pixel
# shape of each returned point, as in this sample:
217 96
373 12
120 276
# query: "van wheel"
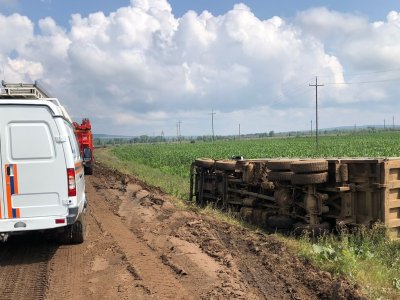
64 237
88 170
78 232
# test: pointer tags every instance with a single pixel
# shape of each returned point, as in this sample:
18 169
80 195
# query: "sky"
138 67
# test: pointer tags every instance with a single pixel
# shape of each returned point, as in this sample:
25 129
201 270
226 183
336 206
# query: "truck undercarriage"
313 195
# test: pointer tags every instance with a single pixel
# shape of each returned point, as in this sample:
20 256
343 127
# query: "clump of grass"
365 255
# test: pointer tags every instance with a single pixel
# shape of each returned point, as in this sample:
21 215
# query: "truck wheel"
280 222
88 170
313 230
280 164
225 165
204 163
303 179
309 166
279 176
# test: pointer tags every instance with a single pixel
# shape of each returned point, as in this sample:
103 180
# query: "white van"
42 184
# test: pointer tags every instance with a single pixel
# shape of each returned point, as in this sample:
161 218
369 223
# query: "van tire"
73 234
64 237
78 231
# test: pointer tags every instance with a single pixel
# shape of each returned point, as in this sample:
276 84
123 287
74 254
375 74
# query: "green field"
176 158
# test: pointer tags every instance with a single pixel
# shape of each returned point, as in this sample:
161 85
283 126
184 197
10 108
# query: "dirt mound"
209 257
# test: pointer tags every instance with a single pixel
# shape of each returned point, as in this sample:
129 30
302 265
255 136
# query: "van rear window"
30 141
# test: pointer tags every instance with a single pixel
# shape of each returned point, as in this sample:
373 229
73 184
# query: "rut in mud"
140 246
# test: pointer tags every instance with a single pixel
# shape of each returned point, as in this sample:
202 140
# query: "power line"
365 73
363 82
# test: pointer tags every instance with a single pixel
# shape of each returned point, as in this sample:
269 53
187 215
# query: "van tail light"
71 182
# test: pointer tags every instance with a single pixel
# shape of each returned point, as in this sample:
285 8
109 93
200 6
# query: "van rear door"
32 162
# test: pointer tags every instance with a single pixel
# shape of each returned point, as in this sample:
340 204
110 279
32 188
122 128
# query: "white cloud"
141 69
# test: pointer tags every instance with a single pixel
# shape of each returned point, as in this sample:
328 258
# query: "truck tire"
280 222
207 163
225 165
312 230
312 178
280 164
309 166
275 176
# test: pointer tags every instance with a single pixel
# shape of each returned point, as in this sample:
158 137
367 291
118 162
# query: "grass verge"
171 184
366 256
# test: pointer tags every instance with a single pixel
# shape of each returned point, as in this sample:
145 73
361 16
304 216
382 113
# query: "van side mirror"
87 154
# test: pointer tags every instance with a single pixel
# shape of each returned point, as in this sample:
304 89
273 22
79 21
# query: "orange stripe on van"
78 167
12 189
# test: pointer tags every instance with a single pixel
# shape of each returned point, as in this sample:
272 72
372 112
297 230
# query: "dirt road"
139 246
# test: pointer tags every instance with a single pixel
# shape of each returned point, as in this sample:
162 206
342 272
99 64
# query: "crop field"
175 159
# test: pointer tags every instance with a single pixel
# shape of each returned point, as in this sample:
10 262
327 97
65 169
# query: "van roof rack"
23 91
30 91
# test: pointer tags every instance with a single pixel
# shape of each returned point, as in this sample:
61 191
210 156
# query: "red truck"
84 135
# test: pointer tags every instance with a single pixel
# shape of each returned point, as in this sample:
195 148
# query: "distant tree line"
145 139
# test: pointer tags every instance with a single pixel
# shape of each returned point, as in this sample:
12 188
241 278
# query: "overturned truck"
313 195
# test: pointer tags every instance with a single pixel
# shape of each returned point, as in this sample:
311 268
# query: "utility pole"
316 107
239 131
393 123
179 131
162 137
311 129
212 123
384 124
